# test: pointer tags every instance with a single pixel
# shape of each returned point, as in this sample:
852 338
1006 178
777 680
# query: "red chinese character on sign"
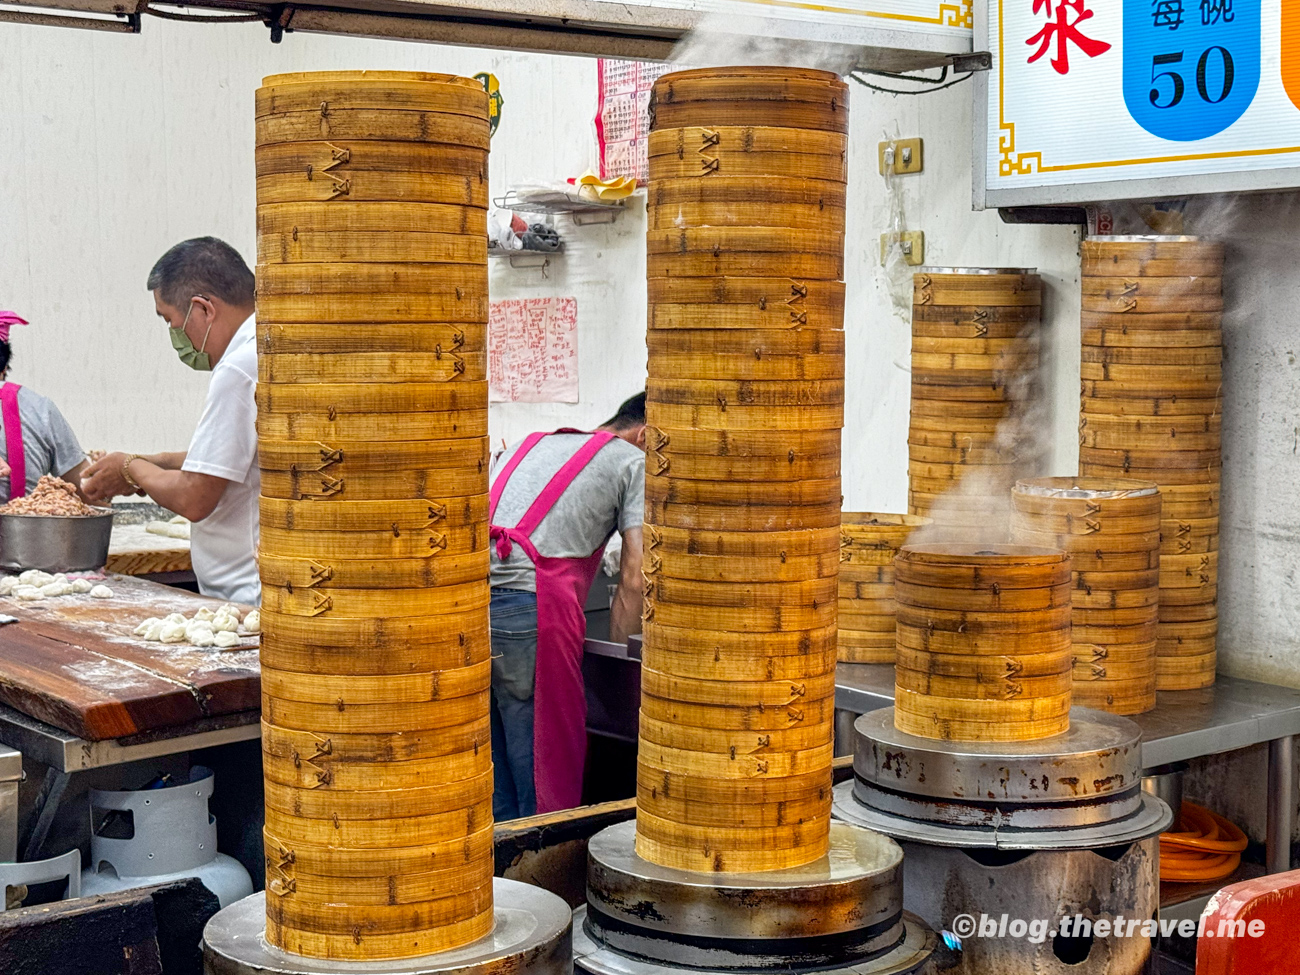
1064 30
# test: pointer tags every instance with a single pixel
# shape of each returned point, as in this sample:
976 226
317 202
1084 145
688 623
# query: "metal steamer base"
842 913
532 936
1036 831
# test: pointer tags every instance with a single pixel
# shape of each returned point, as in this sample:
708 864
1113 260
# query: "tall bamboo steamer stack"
1152 409
983 642
974 363
744 403
1111 528
867 613
372 423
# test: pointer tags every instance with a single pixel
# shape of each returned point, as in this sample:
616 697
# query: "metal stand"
1078 790
1025 832
840 913
532 937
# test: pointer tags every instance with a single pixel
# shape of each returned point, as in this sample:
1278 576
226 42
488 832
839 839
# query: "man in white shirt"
203 290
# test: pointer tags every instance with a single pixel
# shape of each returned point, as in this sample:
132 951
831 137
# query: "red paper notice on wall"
533 350
623 117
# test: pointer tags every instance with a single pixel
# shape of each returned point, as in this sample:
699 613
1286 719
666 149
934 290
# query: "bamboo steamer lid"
781 97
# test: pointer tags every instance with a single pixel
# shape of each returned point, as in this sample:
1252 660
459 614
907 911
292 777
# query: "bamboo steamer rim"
774 72
877 519
1089 488
967 553
940 269
1148 239
332 77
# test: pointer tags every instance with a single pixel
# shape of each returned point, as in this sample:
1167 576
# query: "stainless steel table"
65 754
1184 725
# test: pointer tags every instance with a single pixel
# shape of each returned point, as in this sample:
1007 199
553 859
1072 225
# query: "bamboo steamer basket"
1151 408
975 612
868 543
372 409
1088 516
744 405
974 347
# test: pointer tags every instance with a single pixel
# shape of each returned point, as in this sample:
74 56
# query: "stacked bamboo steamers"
1111 530
868 544
1151 409
984 650
733 842
974 362
372 423
744 406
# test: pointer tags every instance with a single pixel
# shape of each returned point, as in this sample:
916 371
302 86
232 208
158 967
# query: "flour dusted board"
533 350
623 117
1094 100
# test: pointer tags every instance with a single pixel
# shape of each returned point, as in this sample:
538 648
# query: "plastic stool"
1225 945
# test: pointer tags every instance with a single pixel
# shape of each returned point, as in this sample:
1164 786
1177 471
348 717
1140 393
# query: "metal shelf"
581 212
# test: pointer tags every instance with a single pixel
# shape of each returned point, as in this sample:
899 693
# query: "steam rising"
731 41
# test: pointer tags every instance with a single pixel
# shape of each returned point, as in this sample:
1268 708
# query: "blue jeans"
514 665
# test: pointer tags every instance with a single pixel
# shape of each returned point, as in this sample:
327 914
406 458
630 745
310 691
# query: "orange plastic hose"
1206 846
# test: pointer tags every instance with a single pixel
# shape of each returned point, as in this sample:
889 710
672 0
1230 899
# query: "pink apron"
559 699
14 452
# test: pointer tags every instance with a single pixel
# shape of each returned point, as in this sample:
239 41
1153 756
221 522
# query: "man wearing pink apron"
556 500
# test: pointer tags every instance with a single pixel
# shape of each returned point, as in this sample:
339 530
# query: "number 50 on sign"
1191 67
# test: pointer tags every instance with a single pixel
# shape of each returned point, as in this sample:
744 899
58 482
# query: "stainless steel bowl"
55 543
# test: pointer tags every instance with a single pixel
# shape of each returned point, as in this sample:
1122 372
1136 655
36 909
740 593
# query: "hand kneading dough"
226 639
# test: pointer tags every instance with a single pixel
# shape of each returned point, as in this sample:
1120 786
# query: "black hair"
202 266
630 414
4 357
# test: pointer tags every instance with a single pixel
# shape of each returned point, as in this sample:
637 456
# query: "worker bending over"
556 498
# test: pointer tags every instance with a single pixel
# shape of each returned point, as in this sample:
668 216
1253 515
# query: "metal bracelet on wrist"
126 471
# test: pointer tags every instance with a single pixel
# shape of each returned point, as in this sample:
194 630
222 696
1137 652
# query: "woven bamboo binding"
1151 408
745 405
372 278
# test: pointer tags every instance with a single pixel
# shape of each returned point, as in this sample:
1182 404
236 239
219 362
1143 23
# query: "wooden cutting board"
73 662
135 551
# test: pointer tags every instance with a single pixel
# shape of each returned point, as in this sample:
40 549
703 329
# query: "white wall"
113 148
